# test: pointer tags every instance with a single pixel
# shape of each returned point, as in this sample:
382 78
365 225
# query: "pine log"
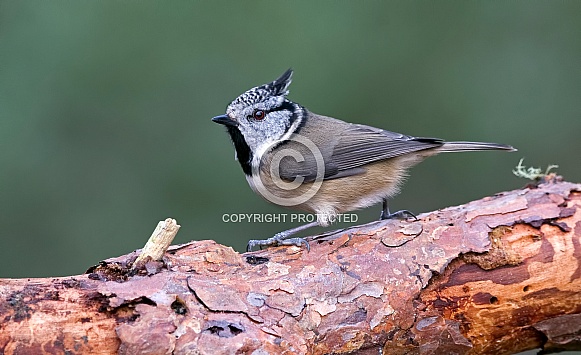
495 276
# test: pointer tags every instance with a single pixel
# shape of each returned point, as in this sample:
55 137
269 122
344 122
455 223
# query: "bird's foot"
278 239
403 214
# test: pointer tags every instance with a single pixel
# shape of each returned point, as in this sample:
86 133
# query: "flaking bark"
495 276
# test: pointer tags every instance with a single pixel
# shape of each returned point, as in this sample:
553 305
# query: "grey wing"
348 152
359 145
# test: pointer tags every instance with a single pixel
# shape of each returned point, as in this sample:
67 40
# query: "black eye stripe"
286 105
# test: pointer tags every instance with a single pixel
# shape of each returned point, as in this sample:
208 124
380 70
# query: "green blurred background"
105 108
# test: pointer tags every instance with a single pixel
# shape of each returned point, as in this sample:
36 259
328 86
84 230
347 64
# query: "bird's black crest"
280 85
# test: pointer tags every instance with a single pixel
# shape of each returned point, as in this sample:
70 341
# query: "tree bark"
495 276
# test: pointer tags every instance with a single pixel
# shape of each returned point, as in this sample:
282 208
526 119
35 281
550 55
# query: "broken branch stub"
157 245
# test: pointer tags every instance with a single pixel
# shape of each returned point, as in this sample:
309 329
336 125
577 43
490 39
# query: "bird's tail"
471 146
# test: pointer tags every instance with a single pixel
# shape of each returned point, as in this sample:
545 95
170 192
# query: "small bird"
296 158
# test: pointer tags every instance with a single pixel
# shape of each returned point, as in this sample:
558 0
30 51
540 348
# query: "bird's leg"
403 214
283 238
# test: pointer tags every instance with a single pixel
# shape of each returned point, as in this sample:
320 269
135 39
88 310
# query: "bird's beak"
225 120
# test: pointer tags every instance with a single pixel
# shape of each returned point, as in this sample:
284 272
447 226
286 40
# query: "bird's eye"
258 115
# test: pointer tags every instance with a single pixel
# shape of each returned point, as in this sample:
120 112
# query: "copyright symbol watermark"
282 189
